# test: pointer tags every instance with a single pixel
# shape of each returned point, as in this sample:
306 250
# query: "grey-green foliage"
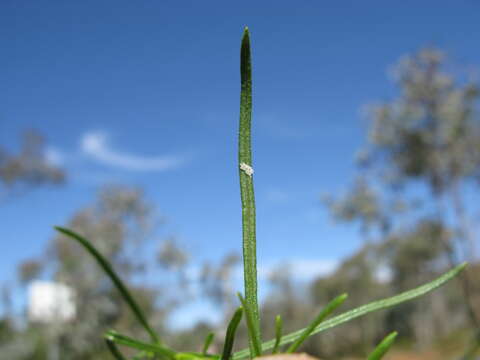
414 255
431 130
287 298
361 203
216 280
29 269
171 256
122 223
430 133
423 148
357 274
28 168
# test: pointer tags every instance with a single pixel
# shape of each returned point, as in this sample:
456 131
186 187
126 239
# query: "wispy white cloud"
96 145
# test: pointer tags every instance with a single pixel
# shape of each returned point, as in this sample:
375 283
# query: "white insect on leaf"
247 169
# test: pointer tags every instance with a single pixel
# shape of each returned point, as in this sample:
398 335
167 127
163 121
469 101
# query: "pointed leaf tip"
327 310
246 34
383 347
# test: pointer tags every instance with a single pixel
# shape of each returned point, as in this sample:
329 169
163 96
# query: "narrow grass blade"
362 310
331 306
252 335
105 265
230 335
161 351
278 333
195 356
113 350
139 345
207 343
383 347
246 185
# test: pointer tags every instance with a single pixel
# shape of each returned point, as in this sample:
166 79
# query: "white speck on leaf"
247 169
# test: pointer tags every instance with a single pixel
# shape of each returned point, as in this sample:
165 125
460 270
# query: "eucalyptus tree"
422 165
29 168
124 225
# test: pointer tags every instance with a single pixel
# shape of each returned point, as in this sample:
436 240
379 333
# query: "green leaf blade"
113 350
246 185
331 306
252 330
107 267
208 342
230 335
383 347
278 333
363 310
124 340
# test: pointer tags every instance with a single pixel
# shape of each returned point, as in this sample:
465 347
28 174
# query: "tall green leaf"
246 186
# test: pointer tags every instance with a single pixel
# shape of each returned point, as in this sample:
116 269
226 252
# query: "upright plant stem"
246 184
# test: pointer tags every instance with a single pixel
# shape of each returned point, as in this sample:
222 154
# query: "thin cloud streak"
96 145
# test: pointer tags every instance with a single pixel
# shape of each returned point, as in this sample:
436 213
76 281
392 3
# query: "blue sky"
146 93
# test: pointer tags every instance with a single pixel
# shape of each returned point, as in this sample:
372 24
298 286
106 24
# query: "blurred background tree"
29 168
418 173
122 225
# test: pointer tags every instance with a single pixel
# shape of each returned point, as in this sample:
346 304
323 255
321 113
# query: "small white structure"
50 302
